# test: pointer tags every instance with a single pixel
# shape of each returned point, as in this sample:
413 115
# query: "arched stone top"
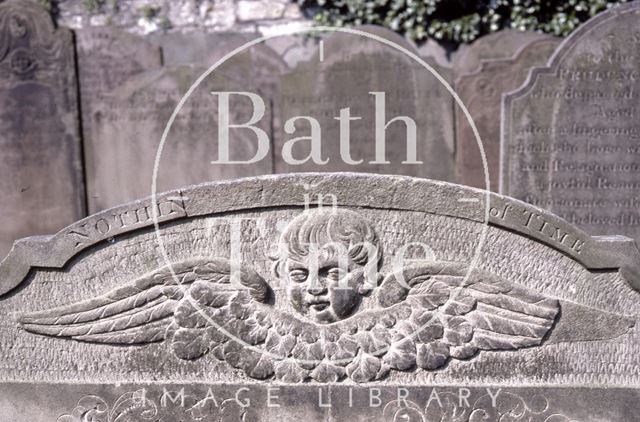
351 190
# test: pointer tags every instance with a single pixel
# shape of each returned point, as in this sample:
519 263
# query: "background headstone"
343 72
481 92
197 47
41 182
107 58
503 44
294 48
127 129
571 140
436 51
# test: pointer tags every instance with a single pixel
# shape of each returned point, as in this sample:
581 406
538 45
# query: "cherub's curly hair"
328 225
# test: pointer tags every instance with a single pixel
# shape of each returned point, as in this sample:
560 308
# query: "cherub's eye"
335 273
298 276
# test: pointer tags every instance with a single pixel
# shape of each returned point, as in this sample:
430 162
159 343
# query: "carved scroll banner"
41 183
570 138
436 312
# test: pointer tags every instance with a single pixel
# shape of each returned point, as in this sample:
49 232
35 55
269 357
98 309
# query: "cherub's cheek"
344 300
295 296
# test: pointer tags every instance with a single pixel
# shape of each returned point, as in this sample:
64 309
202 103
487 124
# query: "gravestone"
40 165
344 72
503 44
570 138
294 48
481 92
216 315
184 48
440 53
127 128
207 49
107 57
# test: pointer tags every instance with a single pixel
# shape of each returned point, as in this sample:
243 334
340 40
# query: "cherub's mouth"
319 305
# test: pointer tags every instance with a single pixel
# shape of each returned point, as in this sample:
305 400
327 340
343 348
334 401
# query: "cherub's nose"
317 289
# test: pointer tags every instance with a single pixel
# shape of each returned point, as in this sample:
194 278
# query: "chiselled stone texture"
571 135
41 183
100 304
346 68
481 92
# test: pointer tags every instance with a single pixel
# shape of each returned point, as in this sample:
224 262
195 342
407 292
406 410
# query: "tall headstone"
235 318
41 183
128 124
107 58
345 71
571 135
481 92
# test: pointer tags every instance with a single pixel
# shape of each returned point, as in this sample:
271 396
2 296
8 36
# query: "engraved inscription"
105 226
571 139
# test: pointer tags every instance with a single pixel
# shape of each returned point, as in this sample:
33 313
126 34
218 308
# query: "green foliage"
458 21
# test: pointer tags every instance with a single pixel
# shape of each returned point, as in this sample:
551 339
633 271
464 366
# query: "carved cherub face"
328 259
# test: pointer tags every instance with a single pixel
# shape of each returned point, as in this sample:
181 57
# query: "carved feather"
480 311
144 310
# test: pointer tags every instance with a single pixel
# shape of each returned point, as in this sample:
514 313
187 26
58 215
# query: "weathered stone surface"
503 44
294 48
342 74
40 165
206 49
107 58
237 402
433 49
90 313
197 47
481 92
570 140
127 128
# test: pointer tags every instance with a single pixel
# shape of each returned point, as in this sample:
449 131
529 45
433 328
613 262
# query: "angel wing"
424 323
456 312
160 305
